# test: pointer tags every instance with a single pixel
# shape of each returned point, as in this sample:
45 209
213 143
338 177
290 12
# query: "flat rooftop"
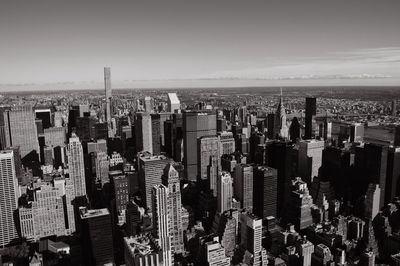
86 214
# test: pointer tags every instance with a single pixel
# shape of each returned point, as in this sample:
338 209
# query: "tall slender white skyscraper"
161 222
8 197
225 192
171 180
76 166
107 86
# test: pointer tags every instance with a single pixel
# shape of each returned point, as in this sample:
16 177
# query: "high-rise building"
356 132
301 202
151 169
48 156
225 193
393 174
85 128
148 107
76 167
228 230
46 213
156 133
294 130
55 136
311 111
17 162
102 167
370 163
96 236
173 103
396 141
161 221
214 253
280 127
227 143
108 92
251 236
98 146
45 116
143 132
8 197
305 249
280 157
170 179
207 147
243 185
310 158
58 119
213 169
69 206
119 184
372 201
265 191
367 258
142 250
394 108
322 255
20 129
195 125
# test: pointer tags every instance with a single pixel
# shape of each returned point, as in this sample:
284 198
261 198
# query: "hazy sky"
71 41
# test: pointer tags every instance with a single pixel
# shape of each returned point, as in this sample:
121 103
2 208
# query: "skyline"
191 44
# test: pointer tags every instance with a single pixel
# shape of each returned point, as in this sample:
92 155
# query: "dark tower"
311 110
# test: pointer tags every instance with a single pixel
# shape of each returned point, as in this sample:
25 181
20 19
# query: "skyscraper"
107 86
294 129
20 129
76 165
305 249
224 195
195 125
173 103
372 201
151 169
8 197
207 147
97 236
356 132
299 209
143 132
393 174
280 127
45 116
265 191
280 157
251 236
371 166
160 219
47 214
310 158
148 108
311 110
214 253
227 143
170 179
243 184
156 133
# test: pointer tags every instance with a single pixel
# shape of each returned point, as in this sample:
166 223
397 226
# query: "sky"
225 42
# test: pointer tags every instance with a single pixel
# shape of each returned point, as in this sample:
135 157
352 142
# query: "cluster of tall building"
196 185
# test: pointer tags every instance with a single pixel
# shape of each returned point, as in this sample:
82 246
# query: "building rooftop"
86 214
173 98
153 158
141 245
